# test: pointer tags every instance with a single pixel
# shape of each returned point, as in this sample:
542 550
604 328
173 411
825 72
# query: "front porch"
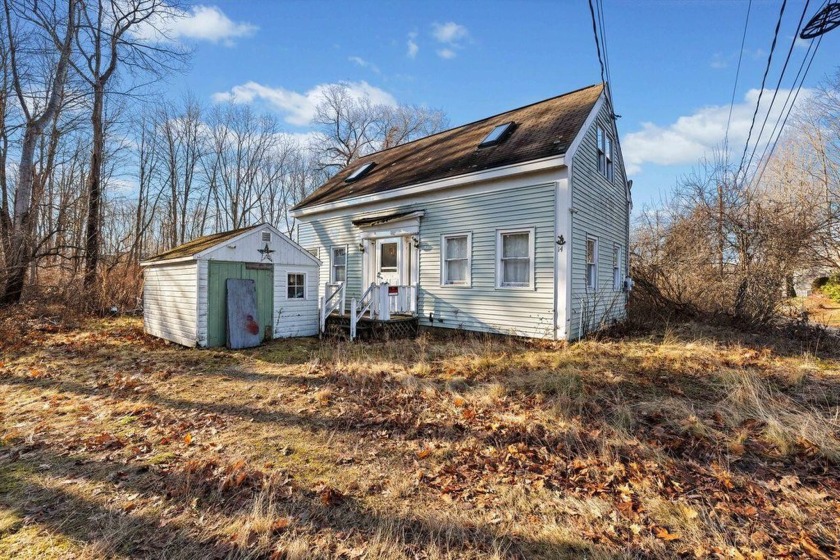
383 310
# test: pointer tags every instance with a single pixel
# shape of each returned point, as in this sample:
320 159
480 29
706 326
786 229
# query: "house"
515 224
184 289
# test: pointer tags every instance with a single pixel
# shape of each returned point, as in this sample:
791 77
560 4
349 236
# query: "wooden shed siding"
169 302
481 307
600 210
295 317
203 286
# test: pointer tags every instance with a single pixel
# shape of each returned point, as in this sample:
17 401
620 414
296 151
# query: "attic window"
266 236
360 172
497 135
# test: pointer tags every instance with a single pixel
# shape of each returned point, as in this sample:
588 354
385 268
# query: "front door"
389 260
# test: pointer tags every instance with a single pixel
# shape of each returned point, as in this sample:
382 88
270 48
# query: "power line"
761 91
735 87
790 109
603 27
778 84
597 41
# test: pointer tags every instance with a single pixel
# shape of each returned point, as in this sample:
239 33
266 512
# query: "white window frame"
305 285
591 281
617 276
333 265
532 284
605 147
443 263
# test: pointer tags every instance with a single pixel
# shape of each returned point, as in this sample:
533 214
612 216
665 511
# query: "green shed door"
217 273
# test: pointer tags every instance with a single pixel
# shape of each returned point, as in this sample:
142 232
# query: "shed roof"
542 129
199 244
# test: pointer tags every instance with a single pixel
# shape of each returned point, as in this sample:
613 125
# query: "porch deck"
402 325
383 311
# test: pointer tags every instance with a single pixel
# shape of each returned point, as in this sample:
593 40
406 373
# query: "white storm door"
389 253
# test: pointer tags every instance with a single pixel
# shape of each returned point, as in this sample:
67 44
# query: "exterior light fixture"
561 241
361 246
415 241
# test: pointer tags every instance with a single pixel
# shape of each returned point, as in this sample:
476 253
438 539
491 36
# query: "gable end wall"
600 209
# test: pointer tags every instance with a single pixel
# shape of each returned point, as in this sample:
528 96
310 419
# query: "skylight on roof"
497 135
360 172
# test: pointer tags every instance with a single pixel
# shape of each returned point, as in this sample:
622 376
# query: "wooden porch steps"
398 326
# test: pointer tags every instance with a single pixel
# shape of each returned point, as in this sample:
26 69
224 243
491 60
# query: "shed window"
515 258
296 285
591 263
266 237
456 253
338 264
605 153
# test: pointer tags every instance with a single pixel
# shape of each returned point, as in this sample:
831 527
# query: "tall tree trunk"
93 232
21 234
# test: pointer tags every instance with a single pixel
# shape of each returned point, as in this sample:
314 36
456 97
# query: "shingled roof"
199 244
542 129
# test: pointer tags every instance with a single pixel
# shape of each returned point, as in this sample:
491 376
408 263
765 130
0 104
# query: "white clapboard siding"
169 302
600 210
481 307
295 317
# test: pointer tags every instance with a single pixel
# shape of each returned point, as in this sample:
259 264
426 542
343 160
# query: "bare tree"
38 110
105 40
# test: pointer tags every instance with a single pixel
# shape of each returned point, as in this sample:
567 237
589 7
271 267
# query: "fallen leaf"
662 533
188 439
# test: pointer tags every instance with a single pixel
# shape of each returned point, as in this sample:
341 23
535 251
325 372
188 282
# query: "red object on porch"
393 290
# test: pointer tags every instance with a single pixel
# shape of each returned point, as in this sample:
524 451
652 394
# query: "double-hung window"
605 153
456 255
515 258
296 285
338 264
591 263
617 276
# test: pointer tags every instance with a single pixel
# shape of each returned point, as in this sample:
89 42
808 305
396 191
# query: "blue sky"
672 63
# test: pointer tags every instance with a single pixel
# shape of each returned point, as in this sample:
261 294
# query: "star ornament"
266 252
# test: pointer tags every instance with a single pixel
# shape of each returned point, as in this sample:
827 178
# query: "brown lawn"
688 441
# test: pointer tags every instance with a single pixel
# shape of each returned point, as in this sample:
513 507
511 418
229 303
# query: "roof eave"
438 184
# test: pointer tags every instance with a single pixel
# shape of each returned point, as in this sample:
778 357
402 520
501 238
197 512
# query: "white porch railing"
332 299
380 301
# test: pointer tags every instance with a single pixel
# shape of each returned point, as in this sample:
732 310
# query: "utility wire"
761 91
790 109
603 27
778 85
735 87
597 41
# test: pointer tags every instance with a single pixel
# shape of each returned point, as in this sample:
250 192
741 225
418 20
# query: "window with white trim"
605 153
296 285
515 258
338 264
456 259
591 263
617 276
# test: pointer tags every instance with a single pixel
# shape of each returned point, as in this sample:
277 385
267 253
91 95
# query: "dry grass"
690 441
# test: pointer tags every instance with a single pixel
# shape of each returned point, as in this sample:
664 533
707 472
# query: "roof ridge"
601 84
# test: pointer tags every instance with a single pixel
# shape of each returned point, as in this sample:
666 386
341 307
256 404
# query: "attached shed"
184 288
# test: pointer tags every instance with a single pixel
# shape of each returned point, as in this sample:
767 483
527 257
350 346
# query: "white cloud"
449 32
691 137
364 63
451 35
199 23
299 108
412 45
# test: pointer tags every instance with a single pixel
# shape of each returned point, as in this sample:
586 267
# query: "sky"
672 64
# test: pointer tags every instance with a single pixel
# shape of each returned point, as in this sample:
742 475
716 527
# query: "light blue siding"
481 307
600 209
